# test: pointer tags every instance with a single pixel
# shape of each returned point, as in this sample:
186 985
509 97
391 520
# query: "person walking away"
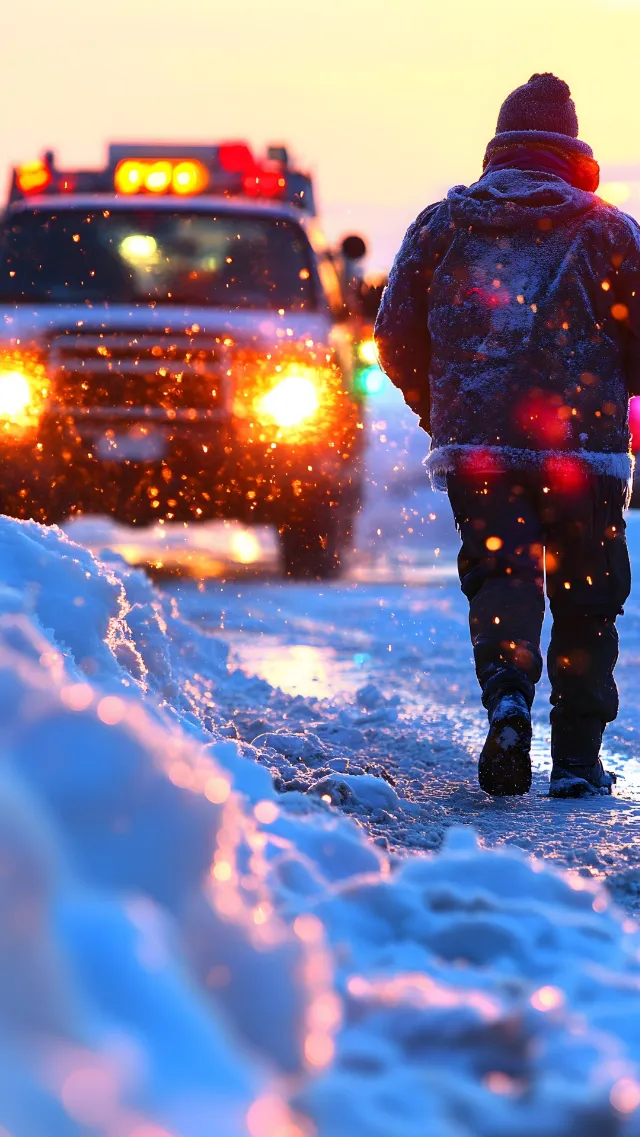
511 324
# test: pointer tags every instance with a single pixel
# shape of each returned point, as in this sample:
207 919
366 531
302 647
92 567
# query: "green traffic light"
371 380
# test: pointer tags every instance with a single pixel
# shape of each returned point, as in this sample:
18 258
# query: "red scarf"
574 167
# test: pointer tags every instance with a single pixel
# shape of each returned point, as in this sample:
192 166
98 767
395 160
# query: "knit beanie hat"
544 103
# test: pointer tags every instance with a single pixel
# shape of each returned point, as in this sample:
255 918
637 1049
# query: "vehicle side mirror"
340 315
353 248
371 289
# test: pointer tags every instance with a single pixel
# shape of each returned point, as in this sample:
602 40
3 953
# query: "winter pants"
517 529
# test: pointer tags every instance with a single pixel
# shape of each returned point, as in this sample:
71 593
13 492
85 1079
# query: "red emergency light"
258 179
236 158
264 183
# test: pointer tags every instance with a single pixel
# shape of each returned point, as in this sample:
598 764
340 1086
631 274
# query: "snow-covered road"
398 624
422 720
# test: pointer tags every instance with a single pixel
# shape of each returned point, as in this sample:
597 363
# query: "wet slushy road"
324 643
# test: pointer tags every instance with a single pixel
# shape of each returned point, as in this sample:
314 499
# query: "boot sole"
504 767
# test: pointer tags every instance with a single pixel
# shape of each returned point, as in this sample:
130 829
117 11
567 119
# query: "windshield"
229 260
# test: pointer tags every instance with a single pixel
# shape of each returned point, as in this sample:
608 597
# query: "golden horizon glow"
416 88
615 193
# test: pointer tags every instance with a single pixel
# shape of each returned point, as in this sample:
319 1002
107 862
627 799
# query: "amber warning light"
33 177
134 175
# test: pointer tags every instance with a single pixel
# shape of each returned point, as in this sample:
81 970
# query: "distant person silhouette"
511 324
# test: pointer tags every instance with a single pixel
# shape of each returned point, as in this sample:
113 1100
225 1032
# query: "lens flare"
292 401
367 352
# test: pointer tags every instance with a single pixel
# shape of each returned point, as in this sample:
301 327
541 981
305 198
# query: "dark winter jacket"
511 323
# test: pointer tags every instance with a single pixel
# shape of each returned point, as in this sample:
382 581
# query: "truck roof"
150 170
203 203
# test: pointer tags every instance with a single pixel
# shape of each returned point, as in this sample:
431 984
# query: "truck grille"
129 374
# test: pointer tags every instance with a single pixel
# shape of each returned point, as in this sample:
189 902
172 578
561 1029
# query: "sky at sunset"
387 101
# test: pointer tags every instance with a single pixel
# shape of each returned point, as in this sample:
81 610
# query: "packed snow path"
393 662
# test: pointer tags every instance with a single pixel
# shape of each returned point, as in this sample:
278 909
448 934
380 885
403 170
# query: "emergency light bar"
229 169
136 176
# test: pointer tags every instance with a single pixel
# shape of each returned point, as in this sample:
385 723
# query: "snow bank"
183 952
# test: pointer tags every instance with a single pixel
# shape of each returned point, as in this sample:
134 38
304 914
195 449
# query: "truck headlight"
16 394
292 402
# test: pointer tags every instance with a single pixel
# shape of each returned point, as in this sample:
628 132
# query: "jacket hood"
514 199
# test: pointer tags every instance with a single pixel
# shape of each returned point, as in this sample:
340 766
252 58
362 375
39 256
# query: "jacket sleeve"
625 281
401 331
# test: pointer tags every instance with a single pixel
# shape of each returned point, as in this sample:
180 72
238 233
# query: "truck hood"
32 326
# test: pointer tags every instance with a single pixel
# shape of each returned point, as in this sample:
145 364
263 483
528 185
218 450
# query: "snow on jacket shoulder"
511 323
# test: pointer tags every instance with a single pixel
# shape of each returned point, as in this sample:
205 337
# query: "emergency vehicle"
176 344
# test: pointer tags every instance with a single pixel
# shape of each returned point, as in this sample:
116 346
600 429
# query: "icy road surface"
422 723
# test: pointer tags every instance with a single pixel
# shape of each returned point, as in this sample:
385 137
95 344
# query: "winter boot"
576 769
581 781
504 767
